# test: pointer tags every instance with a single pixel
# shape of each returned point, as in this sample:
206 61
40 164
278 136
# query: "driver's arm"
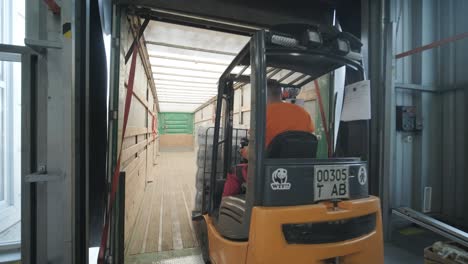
232 186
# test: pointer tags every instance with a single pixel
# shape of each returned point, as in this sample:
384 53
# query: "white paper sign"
356 105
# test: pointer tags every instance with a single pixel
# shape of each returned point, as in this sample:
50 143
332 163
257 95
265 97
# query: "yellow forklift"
296 208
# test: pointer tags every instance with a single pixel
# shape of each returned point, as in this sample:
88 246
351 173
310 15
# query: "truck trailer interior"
122 120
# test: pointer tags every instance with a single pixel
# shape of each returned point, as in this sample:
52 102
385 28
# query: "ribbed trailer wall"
140 146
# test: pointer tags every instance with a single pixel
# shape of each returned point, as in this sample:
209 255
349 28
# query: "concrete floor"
395 254
407 245
13 233
10 234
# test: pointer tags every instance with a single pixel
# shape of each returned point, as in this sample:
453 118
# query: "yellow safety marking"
411 231
66 30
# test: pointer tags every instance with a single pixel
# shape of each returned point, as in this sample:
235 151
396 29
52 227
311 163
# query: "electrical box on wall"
407 119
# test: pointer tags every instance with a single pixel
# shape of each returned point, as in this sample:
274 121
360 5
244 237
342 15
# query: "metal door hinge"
116 42
43 176
41 45
113 114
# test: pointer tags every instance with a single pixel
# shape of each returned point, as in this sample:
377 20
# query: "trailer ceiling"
225 16
187 62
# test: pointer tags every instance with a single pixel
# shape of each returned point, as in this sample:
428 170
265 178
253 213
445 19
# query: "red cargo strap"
53 6
324 119
153 127
432 45
115 177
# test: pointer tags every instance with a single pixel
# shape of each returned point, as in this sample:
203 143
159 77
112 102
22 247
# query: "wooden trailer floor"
164 221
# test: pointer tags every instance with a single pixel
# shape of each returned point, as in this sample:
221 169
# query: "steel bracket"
41 45
113 114
43 176
432 224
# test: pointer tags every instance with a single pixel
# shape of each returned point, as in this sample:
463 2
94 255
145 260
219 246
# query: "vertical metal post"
81 121
121 226
214 163
228 116
118 219
114 93
28 160
372 60
258 83
114 82
331 113
235 146
388 118
204 207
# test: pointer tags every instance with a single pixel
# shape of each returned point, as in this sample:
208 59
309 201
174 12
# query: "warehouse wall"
140 146
437 156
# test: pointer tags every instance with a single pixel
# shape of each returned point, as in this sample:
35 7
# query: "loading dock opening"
175 74
64 111
204 114
183 63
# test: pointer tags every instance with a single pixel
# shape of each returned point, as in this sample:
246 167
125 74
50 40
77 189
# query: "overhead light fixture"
186 88
188 97
313 38
181 72
185 84
190 79
238 69
197 59
195 67
185 108
187 64
182 101
168 92
198 97
175 103
185 97
184 94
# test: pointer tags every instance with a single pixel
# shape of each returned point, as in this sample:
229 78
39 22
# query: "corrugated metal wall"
436 157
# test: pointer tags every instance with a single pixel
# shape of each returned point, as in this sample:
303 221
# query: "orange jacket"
282 117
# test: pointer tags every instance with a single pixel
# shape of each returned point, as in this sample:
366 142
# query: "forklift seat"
293 144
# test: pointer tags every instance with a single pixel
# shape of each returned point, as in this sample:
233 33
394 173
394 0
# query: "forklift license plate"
331 182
